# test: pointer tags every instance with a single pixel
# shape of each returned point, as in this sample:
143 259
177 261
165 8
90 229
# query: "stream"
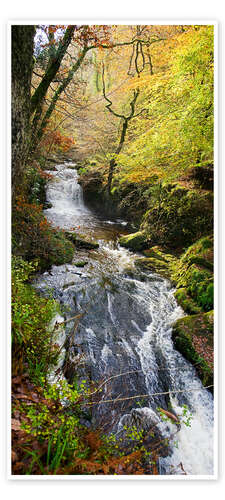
124 334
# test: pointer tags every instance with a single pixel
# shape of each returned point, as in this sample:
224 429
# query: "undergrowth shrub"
55 441
35 184
33 237
32 342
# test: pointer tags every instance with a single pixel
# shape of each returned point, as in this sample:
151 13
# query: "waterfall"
126 329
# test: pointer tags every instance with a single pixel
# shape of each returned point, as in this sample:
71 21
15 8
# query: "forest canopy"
170 68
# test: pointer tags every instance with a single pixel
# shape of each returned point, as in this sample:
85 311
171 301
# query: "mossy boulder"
135 241
193 337
81 263
80 241
34 238
153 265
157 261
186 302
194 273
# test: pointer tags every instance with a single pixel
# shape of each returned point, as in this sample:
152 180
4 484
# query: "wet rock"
157 261
193 337
81 263
135 241
81 242
47 205
67 285
143 426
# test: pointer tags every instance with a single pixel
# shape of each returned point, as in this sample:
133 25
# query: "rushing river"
124 329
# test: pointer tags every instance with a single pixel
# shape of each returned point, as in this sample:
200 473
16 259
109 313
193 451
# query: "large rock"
80 241
193 275
193 337
157 261
135 241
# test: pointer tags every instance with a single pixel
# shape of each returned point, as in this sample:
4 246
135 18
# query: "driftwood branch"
145 396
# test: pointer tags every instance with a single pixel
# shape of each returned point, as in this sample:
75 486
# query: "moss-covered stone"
81 263
201 262
194 272
81 242
135 241
157 261
186 302
153 265
193 337
159 254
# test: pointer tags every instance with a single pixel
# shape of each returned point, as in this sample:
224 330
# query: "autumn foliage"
35 238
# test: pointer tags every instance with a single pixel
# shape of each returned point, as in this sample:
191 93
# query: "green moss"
194 271
60 251
35 239
157 253
157 261
135 241
201 262
81 263
185 301
193 337
81 242
153 265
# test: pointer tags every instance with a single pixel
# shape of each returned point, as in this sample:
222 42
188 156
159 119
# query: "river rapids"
124 335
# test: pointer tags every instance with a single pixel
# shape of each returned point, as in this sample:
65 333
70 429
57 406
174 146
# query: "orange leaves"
97 463
43 224
57 140
21 205
204 349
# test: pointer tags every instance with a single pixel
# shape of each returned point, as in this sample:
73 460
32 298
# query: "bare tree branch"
145 396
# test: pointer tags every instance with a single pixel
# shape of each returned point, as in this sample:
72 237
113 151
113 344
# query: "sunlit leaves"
178 131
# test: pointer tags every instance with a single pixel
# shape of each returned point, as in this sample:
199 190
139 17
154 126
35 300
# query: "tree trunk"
112 163
22 63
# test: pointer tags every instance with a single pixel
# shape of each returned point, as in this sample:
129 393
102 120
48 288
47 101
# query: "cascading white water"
128 326
195 443
64 188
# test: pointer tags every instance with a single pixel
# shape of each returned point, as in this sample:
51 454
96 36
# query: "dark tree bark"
58 92
38 97
52 69
22 63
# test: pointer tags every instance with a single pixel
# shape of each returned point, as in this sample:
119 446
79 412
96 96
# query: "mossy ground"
194 273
